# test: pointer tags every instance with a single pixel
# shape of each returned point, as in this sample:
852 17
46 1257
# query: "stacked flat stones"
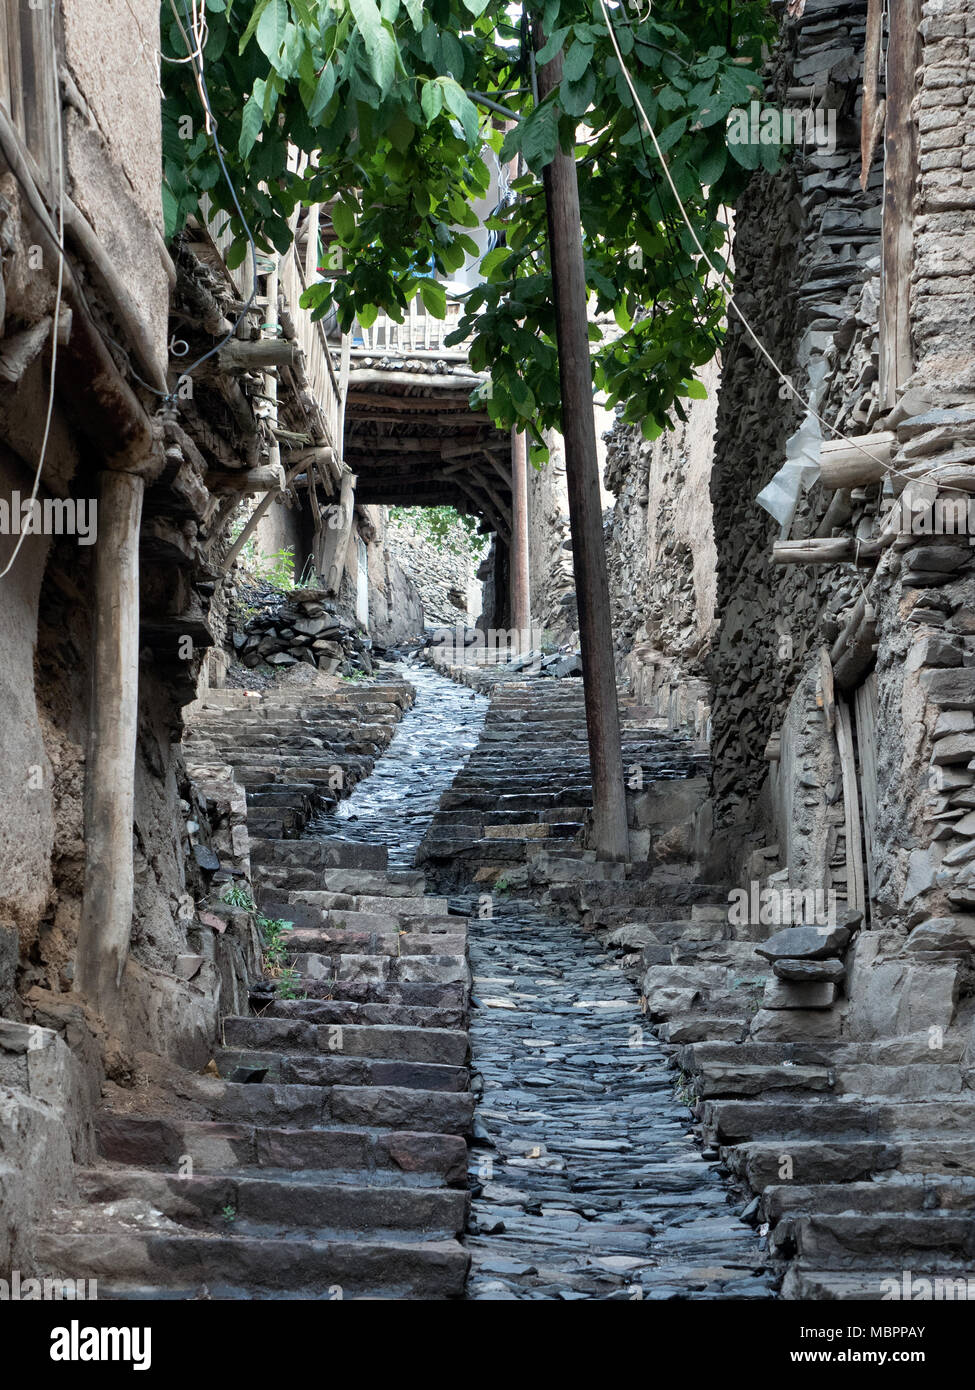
306 626
807 966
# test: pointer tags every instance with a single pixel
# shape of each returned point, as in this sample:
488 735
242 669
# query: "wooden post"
610 839
521 619
900 172
106 911
337 537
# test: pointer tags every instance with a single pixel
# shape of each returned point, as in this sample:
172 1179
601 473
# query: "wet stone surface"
588 1180
396 803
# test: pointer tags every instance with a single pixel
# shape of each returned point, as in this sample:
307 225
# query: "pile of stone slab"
302 626
807 966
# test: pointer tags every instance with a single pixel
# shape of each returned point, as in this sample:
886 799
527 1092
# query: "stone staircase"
322 1154
518 811
857 1153
296 751
589 1178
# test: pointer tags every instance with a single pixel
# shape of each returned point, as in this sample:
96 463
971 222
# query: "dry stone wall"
662 561
807 256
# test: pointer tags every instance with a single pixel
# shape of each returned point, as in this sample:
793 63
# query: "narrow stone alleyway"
588 1180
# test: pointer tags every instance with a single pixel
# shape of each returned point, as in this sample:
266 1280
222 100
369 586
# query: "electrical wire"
58 299
785 380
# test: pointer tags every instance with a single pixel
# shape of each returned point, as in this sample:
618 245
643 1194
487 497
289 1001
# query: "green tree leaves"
393 101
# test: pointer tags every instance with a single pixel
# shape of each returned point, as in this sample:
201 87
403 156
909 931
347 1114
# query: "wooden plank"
872 114
851 808
865 699
900 165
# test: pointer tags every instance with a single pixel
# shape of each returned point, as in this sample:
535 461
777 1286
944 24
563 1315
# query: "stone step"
350 1040
897 1194
730 1121
296 1205
703 1027
395 1156
838 1286
852 1240
424 969
234 1264
899 1083
763 1163
328 852
381 993
307 1105
364 902
347 1011
387 883
277 1066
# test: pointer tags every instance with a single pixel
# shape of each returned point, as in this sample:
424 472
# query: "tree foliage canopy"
398 104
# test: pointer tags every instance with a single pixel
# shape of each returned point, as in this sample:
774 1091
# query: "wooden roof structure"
412 439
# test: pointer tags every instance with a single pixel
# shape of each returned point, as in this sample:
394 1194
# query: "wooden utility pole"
610 838
519 577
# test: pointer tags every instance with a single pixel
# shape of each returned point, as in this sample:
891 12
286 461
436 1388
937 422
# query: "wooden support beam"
253 520
338 535
107 902
610 835
857 464
268 478
853 652
363 400
837 550
321 457
900 174
499 468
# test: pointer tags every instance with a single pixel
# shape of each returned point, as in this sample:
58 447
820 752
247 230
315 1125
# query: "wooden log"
835 551
253 520
19 350
853 651
322 457
837 514
268 478
364 400
106 911
237 356
338 535
865 460
826 696
518 565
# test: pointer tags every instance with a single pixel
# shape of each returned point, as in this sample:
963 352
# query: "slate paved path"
591 1184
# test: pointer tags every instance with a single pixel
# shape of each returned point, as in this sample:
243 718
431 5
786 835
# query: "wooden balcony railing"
419 331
